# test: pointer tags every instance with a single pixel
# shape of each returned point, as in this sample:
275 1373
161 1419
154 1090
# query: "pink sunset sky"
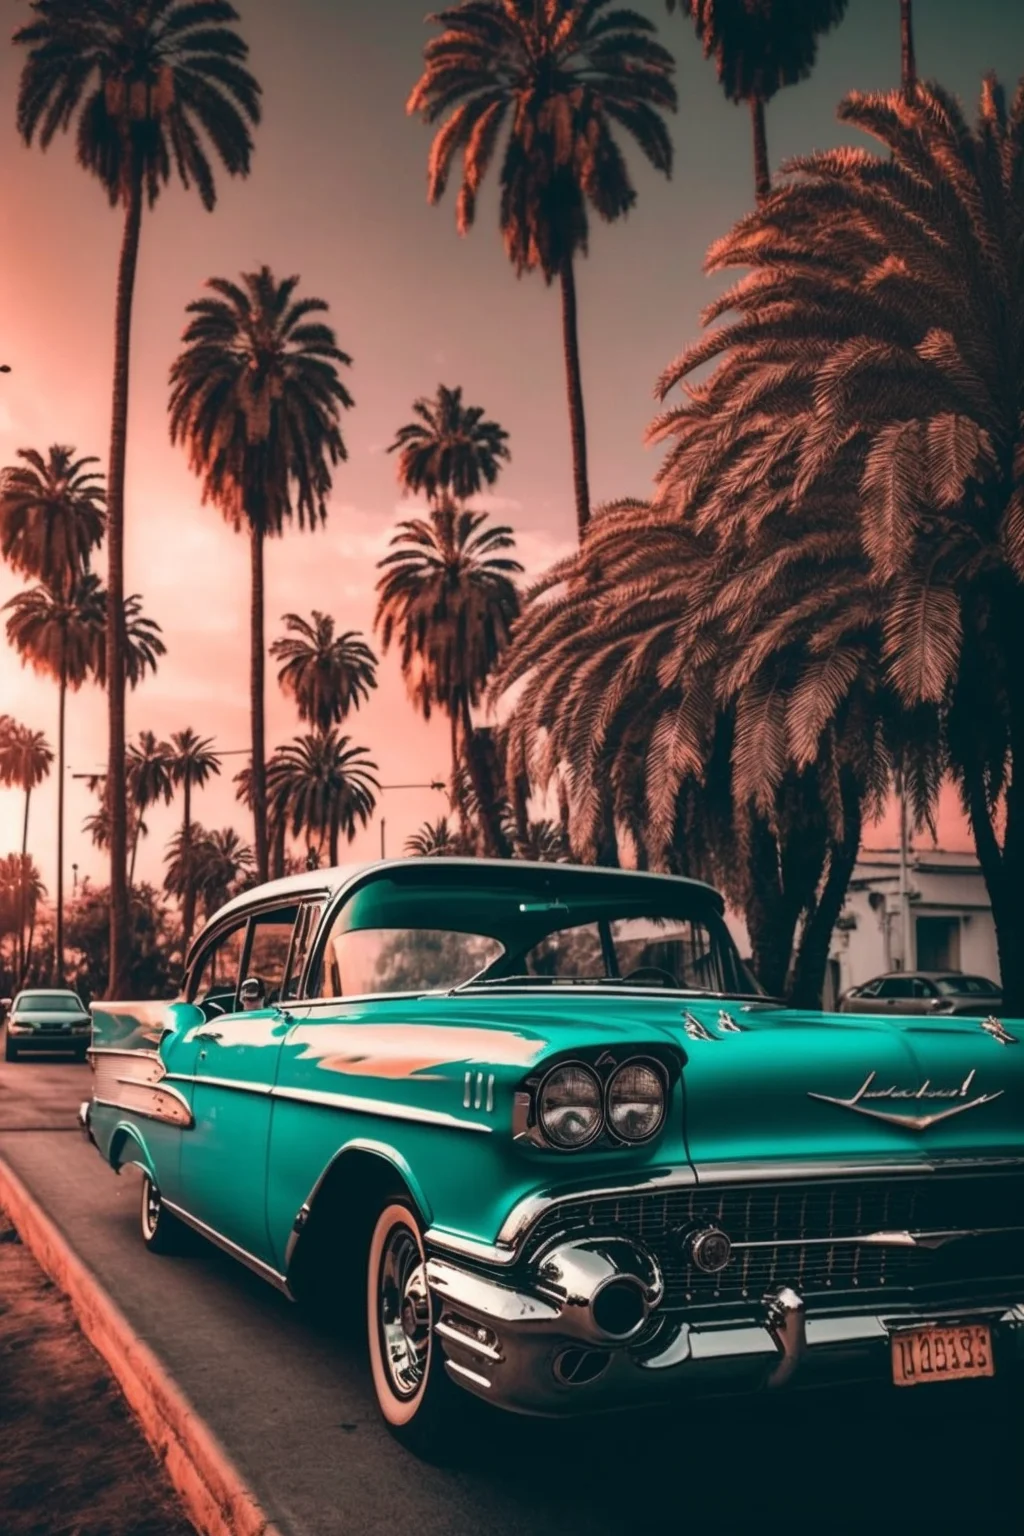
337 195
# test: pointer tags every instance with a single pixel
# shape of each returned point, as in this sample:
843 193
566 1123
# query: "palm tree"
758 47
448 596
97 823
150 779
151 89
25 760
902 360
543 842
564 76
192 762
59 632
51 515
213 866
62 633
436 839
256 398
277 814
326 674
450 452
327 785
143 645
227 866
21 891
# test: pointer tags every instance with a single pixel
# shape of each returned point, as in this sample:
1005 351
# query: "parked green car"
47 1019
570 1155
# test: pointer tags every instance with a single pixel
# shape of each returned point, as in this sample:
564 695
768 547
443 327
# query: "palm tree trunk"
495 845
188 901
58 938
136 830
334 838
23 890
116 646
812 951
1003 868
762 173
574 385
256 704
771 919
277 850
908 63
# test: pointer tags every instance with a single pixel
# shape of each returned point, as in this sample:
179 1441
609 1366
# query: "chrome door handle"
208 1034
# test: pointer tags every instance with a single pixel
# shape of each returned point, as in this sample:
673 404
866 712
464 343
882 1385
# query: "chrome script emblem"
861 1101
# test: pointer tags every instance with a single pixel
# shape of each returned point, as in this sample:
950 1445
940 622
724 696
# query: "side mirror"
252 993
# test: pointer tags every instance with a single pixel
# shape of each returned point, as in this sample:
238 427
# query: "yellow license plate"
921 1355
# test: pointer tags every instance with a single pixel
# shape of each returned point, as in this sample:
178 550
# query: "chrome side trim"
383 1108
182 1117
760 1173
241 1254
236 1085
116 1050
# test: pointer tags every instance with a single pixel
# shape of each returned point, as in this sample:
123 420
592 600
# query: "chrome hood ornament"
863 1101
998 1030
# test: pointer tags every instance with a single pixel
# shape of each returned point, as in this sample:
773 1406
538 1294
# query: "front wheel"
161 1232
414 1394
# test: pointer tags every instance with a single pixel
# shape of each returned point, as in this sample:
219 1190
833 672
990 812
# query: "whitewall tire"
161 1232
415 1396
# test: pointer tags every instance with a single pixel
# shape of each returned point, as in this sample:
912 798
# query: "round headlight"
570 1106
636 1101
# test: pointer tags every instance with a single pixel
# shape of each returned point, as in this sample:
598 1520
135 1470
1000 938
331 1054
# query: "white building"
949 920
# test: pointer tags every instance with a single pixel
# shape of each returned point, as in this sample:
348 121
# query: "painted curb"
214 1494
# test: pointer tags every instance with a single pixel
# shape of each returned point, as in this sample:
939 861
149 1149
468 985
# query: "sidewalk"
73 1461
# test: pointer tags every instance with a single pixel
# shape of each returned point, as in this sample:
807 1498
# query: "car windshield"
605 932
48 1002
966 986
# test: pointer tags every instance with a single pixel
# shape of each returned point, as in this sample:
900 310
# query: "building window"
938 943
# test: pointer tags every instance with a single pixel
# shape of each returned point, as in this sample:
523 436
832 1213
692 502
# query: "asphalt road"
293 1406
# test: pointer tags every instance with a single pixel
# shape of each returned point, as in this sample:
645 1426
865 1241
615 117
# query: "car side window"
871 990
270 944
305 932
213 984
923 989
897 986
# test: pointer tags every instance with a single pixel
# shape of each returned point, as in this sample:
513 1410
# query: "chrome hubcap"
404 1312
151 1207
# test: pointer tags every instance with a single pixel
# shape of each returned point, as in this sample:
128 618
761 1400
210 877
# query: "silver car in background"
942 992
47 1019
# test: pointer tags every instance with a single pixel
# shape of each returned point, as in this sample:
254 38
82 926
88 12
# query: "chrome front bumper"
541 1354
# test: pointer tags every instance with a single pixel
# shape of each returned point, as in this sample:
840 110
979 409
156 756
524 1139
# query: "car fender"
354 1150
126 1138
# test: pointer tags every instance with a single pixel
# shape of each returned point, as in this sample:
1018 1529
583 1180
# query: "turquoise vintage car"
540 1122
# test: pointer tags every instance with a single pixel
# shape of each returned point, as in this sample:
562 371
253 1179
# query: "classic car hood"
762 1082
789 1085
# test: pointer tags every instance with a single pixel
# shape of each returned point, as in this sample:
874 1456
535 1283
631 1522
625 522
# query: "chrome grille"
790 1227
